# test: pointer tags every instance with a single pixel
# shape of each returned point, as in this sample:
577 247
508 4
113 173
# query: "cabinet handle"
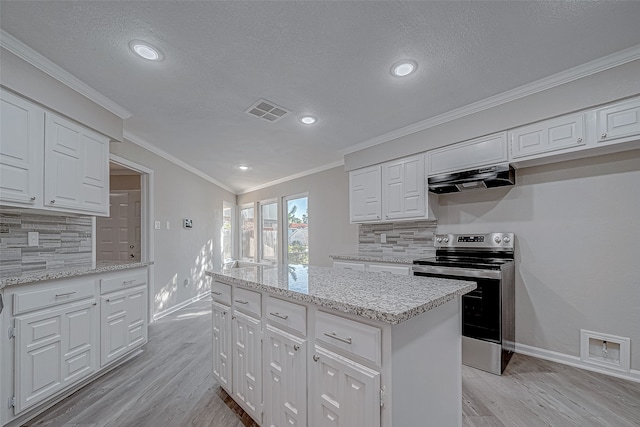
224 313
316 357
336 337
279 316
33 198
233 317
128 282
296 347
216 293
604 135
579 139
241 301
53 201
66 294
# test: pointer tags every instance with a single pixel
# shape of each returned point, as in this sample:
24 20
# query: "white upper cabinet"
76 167
484 151
561 133
403 188
21 136
51 163
619 122
365 197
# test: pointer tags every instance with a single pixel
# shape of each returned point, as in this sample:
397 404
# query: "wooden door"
118 236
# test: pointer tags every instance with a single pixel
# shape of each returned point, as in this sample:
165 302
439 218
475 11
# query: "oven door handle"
458 272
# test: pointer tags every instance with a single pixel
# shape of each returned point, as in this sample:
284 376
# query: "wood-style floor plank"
171 384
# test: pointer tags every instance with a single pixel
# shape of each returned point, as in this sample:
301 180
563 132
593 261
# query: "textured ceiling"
330 59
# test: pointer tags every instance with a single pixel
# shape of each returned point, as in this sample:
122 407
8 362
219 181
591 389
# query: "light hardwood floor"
170 385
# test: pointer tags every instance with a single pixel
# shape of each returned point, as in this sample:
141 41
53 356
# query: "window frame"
239 233
258 216
285 222
232 236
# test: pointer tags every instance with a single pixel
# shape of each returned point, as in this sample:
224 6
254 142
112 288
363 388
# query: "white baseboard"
566 359
177 307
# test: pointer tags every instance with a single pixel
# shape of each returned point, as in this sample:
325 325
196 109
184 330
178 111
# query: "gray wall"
329 228
577 232
180 253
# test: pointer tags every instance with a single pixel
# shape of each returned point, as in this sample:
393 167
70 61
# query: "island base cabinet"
222 345
285 380
247 364
54 349
345 393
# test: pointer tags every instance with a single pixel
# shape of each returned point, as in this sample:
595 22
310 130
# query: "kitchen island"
320 346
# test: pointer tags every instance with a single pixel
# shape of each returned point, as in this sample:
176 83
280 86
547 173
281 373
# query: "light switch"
168 225
33 238
156 225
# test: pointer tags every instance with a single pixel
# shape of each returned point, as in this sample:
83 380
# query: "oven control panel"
480 241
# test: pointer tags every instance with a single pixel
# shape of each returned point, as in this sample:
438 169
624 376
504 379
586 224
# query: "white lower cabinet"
247 363
285 379
221 328
55 347
123 323
345 393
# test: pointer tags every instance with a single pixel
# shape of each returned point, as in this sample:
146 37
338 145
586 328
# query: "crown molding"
295 176
22 51
170 157
607 62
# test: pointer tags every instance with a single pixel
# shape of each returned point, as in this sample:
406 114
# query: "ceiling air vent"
267 110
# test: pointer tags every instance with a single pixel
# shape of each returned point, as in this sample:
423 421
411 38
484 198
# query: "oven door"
481 312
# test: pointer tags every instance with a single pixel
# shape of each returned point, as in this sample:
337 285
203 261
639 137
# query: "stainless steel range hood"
474 179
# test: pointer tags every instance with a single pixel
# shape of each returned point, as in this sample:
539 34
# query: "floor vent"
607 351
267 110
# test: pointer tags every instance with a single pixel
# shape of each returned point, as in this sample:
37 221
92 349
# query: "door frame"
147 251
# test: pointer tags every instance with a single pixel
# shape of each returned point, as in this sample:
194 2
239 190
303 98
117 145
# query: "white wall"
577 227
180 253
329 228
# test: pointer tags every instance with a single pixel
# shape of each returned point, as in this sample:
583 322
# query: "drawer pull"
279 316
241 301
216 293
66 294
128 282
316 357
336 337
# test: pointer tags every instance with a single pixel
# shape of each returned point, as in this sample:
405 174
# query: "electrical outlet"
33 238
383 238
156 225
168 225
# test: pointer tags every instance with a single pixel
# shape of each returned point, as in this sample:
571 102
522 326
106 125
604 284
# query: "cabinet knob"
604 135
316 357
33 198
224 313
233 317
53 201
296 347
579 139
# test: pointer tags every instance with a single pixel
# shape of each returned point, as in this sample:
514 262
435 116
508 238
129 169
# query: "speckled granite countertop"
38 276
377 296
397 259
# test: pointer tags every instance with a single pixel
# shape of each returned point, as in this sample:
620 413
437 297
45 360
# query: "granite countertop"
38 276
392 258
382 297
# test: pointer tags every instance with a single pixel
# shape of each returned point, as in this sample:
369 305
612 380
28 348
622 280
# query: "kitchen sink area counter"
372 257
380 297
68 272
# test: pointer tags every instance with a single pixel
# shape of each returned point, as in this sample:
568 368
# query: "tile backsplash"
406 237
64 241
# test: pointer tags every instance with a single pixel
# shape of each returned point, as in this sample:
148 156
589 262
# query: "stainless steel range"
488 315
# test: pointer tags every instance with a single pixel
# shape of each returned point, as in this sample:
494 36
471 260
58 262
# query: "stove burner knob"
506 239
497 239
439 240
446 240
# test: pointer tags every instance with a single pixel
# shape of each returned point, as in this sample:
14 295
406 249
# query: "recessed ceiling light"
404 68
145 50
308 120
243 167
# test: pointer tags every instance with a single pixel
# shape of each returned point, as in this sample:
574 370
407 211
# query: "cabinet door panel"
222 345
136 316
488 150
365 194
21 150
550 135
247 363
285 394
621 120
404 188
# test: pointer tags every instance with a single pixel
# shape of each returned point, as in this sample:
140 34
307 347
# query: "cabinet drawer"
123 281
286 313
353 337
55 295
348 266
401 270
247 301
221 292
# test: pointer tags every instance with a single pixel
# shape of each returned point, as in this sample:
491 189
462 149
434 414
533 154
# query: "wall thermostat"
188 223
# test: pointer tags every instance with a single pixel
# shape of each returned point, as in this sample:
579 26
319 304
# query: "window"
297 239
247 230
269 231
226 233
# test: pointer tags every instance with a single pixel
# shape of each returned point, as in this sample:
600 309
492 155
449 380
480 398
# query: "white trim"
285 223
607 62
177 307
22 51
294 176
566 359
170 157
